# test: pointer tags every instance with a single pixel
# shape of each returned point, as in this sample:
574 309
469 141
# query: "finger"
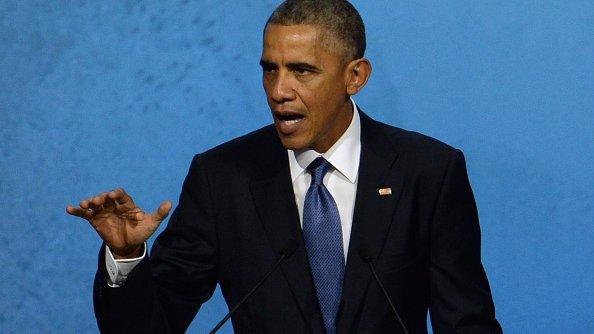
102 202
139 216
79 212
162 211
85 203
99 199
121 199
119 195
95 209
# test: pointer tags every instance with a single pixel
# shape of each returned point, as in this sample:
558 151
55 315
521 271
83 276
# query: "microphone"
285 253
368 258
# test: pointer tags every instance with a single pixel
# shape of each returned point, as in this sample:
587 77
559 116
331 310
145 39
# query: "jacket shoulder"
415 144
241 154
417 155
259 139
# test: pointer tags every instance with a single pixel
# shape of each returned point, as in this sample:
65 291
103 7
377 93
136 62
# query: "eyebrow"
303 66
292 66
267 64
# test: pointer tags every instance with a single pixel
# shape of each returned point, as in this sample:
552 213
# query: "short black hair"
340 20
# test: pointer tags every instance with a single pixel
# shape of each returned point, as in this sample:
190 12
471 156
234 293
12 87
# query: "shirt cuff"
119 270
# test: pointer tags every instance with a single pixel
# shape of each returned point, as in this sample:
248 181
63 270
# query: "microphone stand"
368 260
285 254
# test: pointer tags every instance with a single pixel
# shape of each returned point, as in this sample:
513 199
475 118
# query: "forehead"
293 42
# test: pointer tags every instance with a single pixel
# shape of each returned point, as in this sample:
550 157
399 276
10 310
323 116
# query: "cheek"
323 101
268 85
313 101
266 89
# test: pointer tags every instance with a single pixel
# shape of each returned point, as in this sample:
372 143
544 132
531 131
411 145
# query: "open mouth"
289 118
288 123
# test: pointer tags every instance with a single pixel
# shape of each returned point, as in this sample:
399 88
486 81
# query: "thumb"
162 211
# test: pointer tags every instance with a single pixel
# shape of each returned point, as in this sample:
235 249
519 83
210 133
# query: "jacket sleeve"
165 290
460 299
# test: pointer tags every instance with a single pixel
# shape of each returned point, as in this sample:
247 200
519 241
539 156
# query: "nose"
282 88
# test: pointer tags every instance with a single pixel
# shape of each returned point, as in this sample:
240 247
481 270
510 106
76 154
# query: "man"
378 194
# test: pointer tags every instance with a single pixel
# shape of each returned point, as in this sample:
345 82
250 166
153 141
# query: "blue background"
99 94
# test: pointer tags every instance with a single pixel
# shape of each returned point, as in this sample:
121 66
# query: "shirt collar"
343 155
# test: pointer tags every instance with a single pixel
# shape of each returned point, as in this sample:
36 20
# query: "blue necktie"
323 239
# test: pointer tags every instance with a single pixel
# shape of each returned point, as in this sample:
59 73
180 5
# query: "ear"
357 74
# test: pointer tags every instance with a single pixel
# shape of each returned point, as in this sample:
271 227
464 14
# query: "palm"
122 225
119 228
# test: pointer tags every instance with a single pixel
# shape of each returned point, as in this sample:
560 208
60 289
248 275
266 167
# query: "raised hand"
122 225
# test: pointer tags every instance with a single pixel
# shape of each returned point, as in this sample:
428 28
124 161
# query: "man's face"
305 87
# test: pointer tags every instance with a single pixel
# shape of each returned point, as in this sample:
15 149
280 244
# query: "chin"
293 143
289 145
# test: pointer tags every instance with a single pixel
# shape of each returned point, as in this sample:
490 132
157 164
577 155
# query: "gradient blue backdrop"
99 94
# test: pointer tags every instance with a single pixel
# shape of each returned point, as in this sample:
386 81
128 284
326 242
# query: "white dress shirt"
341 182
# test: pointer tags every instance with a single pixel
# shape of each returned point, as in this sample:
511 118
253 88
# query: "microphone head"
365 254
290 247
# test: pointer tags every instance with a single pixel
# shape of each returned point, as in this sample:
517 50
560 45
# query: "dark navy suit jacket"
237 211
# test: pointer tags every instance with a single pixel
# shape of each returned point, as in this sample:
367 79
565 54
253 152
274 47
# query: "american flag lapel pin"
385 191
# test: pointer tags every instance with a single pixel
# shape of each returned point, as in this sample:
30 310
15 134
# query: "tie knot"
318 168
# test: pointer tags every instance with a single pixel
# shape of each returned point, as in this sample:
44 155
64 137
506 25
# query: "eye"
268 69
301 71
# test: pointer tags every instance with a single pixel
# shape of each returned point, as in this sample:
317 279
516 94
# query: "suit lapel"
275 202
372 216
